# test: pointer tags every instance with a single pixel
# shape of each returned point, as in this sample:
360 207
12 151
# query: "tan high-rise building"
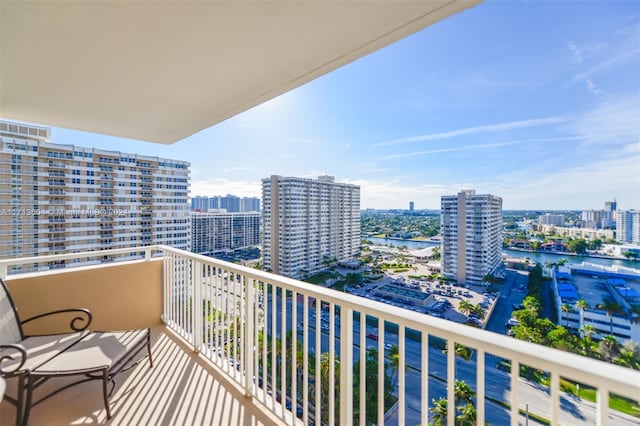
471 227
57 199
308 222
221 232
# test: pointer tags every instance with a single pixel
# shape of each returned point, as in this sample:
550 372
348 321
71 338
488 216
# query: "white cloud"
460 148
584 186
614 122
393 193
474 130
577 55
221 186
613 62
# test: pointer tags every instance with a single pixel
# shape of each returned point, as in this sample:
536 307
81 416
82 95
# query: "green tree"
579 245
611 307
582 305
595 244
325 371
439 411
477 309
371 391
468 415
587 345
532 304
629 355
461 350
465 409
394 363
436 253
566 309
609 348
465 307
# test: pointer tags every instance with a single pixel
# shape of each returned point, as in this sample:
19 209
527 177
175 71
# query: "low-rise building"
594 285
587 233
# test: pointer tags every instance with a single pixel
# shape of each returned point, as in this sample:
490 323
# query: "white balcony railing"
242 320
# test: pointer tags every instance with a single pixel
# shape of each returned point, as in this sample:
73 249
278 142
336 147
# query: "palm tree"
394 363
461 350
465 307
468 415
582 305
629 355
566 309
477 309
588 346
611 307
463 392
608 347
439 411
628 359
325 369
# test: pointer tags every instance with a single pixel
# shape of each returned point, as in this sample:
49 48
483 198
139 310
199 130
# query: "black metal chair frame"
28 380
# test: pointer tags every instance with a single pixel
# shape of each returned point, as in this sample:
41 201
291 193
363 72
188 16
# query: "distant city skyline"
536 102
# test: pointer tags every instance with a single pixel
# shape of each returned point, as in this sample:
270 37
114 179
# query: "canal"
537 257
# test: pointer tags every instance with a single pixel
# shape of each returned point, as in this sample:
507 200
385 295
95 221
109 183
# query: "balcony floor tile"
181 389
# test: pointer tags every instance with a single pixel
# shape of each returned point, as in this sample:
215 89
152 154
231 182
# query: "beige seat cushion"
95 351
40 349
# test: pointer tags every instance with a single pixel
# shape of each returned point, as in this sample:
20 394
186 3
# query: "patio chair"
33 360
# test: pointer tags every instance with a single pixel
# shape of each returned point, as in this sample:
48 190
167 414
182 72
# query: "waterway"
537 257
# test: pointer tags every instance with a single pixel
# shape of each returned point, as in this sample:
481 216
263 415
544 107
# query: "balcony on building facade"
220 329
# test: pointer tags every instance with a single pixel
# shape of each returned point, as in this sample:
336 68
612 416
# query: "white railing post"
3 271
249 330
451 381
515 385
602 406
346 366
196 304
480 386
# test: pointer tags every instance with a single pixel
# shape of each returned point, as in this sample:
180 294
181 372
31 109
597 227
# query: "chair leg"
27 404
20 398
149 348
105 392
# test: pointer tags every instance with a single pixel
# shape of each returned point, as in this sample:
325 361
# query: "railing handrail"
616 378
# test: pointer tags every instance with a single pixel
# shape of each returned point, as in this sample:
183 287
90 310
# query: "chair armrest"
10 355
85 316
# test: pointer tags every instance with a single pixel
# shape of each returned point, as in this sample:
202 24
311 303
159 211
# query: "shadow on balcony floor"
180 389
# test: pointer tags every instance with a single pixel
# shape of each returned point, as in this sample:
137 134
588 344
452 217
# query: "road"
497 382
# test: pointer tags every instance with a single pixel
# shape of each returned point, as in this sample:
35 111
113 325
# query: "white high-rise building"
221 231
471 227
306 222
628 226
57 199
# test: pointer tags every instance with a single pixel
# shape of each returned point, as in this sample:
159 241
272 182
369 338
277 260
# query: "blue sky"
537 102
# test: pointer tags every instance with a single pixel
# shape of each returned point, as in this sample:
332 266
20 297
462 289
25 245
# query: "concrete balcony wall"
120 296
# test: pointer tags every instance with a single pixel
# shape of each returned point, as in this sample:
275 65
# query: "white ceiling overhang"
160 71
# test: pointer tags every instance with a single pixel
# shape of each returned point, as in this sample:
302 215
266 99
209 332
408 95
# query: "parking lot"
444 303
